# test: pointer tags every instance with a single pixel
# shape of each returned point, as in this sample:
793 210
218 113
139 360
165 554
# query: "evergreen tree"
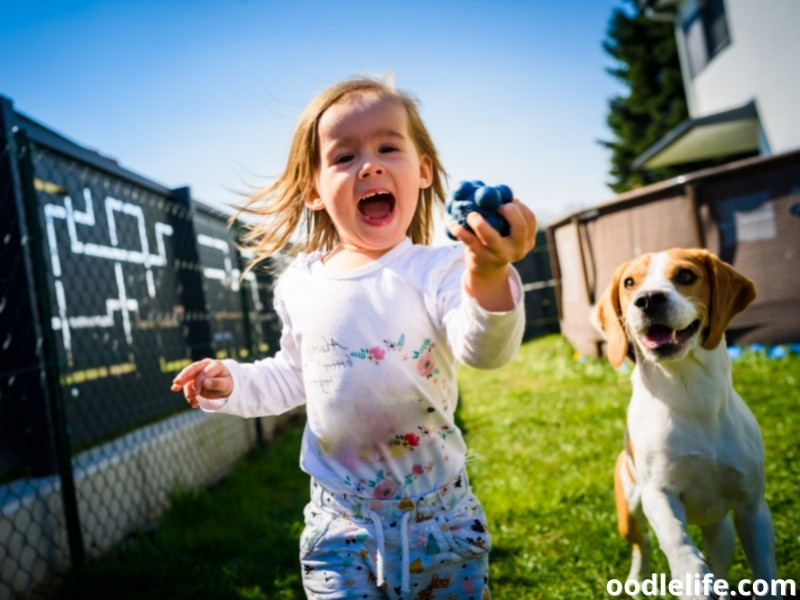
648 65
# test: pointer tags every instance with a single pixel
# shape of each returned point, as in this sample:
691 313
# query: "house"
739 62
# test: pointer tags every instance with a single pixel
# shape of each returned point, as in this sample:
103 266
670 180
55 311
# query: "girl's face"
369 174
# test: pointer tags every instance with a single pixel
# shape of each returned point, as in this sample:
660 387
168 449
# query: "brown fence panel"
746 212
750 218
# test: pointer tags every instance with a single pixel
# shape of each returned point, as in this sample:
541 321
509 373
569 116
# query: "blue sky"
206 93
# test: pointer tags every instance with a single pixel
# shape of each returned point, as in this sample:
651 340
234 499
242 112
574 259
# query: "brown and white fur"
693 451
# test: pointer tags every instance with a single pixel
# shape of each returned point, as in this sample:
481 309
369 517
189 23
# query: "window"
706 33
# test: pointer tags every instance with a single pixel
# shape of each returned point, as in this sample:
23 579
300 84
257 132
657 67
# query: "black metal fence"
110 284
539 284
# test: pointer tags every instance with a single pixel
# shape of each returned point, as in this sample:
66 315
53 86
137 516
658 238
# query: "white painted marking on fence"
67 212
228 275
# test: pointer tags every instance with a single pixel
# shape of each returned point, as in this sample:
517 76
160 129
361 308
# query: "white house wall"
761 63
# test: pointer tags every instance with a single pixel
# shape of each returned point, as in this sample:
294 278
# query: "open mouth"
376 208
664 340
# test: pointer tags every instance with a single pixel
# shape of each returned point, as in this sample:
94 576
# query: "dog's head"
666 303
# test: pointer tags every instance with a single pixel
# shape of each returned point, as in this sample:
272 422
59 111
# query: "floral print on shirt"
426 362
426 432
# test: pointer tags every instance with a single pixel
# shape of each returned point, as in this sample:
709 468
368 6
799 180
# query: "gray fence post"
24 432
196 324
247 323
51 370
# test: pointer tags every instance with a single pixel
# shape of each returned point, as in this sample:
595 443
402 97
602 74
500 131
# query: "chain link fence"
110 284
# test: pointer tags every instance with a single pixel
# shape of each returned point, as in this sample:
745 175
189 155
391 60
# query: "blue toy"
735 352
486 199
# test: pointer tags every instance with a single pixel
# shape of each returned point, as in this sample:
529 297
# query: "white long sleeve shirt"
374 354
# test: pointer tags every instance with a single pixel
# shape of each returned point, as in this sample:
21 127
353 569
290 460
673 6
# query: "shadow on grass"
236 540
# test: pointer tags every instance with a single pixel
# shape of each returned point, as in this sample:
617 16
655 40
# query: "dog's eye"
685 277
628 283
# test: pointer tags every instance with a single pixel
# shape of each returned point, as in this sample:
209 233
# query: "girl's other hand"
208 378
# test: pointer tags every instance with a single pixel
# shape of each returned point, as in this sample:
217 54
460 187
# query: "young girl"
375 324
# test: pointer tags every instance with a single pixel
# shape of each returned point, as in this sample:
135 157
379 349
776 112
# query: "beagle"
693 450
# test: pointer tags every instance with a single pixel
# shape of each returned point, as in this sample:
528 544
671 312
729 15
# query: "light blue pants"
432 547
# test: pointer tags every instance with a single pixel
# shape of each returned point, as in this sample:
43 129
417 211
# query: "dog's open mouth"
664 340
376 208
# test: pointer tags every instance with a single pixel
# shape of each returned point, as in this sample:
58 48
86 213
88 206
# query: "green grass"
237 540
544 432
547 431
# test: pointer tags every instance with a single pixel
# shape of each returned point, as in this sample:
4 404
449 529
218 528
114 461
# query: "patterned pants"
432 547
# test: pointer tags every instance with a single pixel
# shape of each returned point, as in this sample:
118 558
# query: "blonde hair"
281 206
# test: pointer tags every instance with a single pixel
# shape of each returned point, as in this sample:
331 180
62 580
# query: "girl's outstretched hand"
488 254
208 378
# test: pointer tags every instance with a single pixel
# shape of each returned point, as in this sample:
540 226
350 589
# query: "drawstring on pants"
391 569
379 560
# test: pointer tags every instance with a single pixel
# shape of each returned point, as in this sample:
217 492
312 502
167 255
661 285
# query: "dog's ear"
609 316
731 293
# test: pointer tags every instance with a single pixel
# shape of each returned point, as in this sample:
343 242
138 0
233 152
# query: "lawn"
543 433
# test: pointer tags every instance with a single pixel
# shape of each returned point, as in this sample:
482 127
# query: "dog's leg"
667 517
754 526
720 541
630 518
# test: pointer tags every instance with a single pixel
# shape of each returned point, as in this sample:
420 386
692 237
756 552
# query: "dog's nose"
650 302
